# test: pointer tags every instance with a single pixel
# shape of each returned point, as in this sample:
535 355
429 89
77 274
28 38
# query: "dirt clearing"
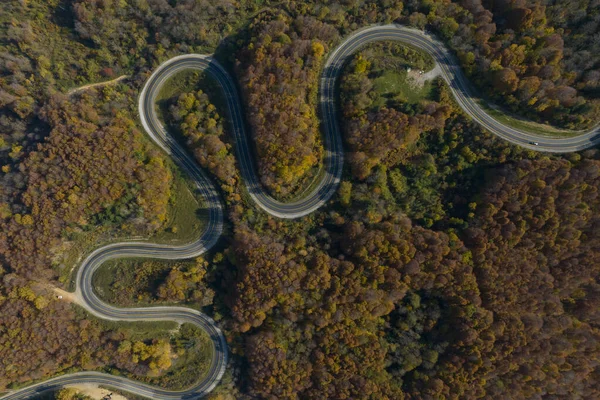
63 295
95 392
417 79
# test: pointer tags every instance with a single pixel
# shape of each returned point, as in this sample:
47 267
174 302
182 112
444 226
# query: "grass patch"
396 75
186 217
192 363
505 117
185 222
134 330
133 281
397 56
396 85
123 271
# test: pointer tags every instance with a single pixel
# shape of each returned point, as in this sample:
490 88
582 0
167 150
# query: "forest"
451 271
449 264
279 72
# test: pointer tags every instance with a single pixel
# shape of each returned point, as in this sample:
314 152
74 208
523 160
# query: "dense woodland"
450 264
455 270
201 125
279 75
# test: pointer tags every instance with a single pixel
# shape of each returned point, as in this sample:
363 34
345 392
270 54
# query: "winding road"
323 190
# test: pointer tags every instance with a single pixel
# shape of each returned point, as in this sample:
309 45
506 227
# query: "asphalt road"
463 90
322 191
88 299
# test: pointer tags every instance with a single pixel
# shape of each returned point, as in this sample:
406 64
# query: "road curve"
463 91
323 190
333 144
88 299
332 138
